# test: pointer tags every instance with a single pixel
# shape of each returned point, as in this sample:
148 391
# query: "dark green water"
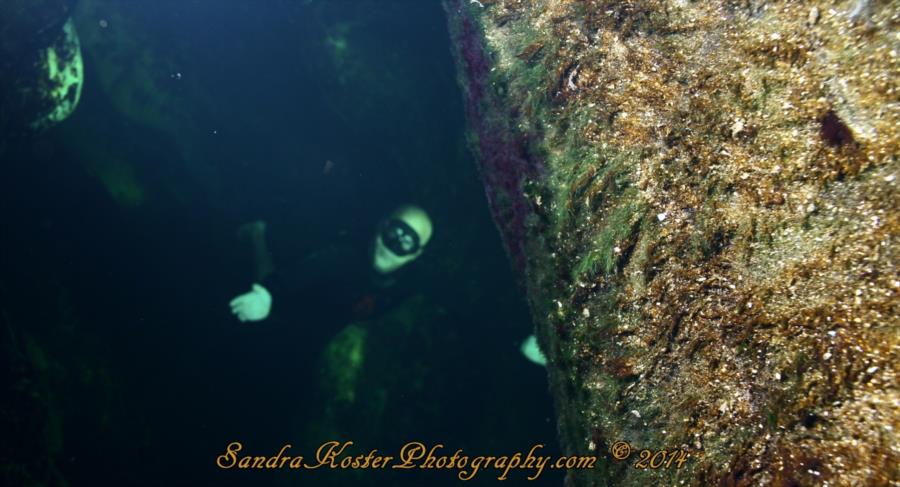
119 255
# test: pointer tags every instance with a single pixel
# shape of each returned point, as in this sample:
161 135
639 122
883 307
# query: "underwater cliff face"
702 198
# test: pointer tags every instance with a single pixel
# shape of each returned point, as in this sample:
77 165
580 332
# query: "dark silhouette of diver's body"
348 281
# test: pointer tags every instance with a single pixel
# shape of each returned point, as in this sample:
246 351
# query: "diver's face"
398 237
396 244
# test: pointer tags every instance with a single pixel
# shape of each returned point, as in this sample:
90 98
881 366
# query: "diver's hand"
252 306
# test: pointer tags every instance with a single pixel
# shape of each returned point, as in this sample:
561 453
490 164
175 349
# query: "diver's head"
401 238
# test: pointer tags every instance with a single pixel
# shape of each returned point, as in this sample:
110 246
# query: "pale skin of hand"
252 306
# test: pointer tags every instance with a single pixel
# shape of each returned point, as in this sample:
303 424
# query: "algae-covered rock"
43 71
63 78
382 380
343 362
702 198
370 371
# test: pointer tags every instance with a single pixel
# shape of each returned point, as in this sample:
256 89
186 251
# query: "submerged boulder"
42 65
702 200
370 370
63 78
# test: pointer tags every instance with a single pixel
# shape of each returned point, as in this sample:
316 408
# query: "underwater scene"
449 242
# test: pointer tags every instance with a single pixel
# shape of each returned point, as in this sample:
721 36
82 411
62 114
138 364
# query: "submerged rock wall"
702 199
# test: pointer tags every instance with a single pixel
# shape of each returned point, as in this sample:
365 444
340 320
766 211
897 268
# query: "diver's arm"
256 304
255 234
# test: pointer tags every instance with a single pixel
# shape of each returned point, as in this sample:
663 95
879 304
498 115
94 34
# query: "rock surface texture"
702 200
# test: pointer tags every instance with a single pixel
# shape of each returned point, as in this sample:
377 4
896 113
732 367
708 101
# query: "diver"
329 276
